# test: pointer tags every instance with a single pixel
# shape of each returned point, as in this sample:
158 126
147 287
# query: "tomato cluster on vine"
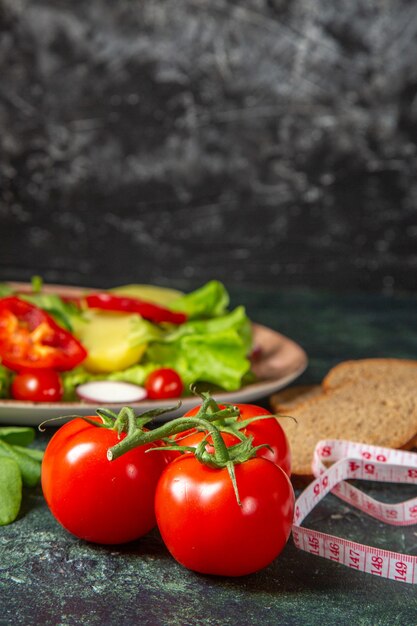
215 482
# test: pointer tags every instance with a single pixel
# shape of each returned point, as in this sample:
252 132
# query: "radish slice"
110 391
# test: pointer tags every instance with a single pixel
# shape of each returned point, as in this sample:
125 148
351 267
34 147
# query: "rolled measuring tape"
350 460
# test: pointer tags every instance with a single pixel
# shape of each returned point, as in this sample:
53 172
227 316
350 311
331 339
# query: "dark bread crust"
293 397
354 370
372 401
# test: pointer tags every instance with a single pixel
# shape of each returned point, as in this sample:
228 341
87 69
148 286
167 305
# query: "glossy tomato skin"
43 385
206 530
164 383
101 501
263 431
192 438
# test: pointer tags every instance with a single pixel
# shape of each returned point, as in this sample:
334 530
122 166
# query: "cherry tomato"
42 385
206 530
102 501
164 383
263 431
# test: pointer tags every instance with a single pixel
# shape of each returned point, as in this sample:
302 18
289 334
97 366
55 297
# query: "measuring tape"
360 462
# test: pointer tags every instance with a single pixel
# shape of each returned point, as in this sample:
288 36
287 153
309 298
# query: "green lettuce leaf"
219 359
73 378
212 351
137 374
142 331
235 320
210 300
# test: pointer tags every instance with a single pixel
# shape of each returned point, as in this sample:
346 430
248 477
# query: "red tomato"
163 384
206 530
95 499
41 385
192 438
263 431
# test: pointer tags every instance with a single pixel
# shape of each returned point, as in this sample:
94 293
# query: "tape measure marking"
358 461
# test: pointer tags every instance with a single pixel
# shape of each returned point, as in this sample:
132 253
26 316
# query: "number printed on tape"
359 461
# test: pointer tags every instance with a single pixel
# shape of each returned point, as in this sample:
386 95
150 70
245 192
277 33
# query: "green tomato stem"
210 418
138 437
221 458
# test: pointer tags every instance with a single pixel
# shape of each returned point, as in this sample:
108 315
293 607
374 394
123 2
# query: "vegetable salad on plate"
53 345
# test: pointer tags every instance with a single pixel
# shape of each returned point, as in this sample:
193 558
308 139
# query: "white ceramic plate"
279 361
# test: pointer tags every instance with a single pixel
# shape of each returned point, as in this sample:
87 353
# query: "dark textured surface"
48 577
260 141
255 141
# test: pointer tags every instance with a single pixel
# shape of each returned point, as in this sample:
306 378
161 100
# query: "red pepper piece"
30 338
148 310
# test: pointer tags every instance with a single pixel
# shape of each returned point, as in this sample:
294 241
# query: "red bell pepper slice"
31 339
148 310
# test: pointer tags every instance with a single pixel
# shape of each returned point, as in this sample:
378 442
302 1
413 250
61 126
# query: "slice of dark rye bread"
292 397
356 370
380 410
346 371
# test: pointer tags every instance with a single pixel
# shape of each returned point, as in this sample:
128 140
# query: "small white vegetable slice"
110 391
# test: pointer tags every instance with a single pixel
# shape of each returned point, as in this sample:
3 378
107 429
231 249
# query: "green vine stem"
126 421
139 437
223 457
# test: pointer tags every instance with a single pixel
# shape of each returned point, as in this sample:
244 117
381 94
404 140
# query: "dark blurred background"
261 142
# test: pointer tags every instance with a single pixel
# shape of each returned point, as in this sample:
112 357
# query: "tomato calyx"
209 411
225 417
221 457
